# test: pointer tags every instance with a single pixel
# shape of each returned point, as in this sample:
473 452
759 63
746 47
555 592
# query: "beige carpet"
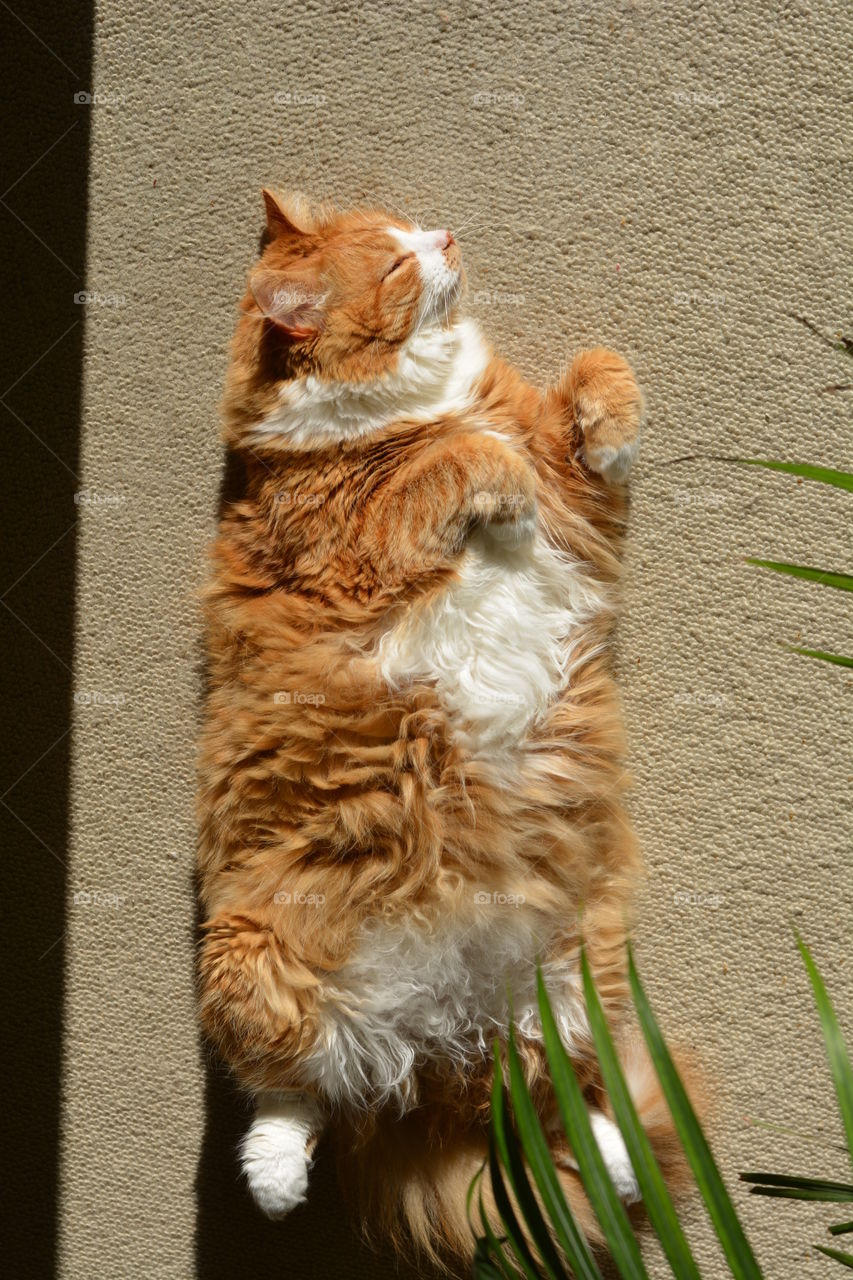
666 178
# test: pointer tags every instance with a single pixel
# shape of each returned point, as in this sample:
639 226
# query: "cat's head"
340 293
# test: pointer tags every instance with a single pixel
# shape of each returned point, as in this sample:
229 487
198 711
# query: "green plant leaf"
825 577
793 1187
841 1229
806 470
795 1180
726 1223
607 1206
836 1050
845 1258
496 1251
837 658
509 1153
514 1233
659 1206
537 1152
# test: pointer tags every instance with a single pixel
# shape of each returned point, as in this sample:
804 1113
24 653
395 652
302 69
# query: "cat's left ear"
278 222
289 303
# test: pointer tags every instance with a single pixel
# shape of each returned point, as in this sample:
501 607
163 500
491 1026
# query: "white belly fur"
408 996
498 643
498 646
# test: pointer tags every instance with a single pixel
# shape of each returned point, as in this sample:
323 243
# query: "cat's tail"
411 1175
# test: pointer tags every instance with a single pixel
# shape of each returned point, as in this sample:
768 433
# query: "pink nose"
443 239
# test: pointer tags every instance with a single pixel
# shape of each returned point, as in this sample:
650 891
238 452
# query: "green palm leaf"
837 658
836 1050
656 1198
845 1258
505 1146
607 1206
825 577
806 470
736 1247
538 1155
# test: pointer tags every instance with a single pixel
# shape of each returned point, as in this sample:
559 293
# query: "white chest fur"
498 642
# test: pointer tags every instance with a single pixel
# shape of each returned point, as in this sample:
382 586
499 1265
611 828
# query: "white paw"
512 533
611 462
612 1147
276 1155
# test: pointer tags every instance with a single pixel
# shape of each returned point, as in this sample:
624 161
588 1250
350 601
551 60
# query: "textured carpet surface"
670 179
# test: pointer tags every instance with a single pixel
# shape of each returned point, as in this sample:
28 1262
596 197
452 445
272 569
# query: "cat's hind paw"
276 1156
614 1153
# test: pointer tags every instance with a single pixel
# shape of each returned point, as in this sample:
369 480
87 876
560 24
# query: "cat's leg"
276 1152
600 393
425 511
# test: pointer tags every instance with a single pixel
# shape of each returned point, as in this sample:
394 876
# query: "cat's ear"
292 305
278 222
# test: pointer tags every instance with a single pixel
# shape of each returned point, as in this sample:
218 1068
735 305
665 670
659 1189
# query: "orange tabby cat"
411 770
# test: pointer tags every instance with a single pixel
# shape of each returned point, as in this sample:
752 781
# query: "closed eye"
404 258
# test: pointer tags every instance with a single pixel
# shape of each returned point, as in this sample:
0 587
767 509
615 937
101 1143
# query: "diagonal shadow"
43 188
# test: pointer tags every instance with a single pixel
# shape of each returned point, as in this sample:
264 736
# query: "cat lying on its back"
411 765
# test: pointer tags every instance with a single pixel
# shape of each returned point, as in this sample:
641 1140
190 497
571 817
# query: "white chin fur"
437 372
276 1151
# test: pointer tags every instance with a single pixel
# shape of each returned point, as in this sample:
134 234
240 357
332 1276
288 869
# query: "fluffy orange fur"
362 797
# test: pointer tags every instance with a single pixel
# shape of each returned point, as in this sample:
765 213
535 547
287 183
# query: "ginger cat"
411 769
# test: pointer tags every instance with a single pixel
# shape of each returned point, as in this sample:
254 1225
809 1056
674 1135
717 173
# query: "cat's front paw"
607 406
510 523
507 509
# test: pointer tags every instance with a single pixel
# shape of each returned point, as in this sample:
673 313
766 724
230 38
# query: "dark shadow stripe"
43 184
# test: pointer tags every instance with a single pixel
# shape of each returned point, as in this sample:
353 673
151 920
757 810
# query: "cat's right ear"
292 305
